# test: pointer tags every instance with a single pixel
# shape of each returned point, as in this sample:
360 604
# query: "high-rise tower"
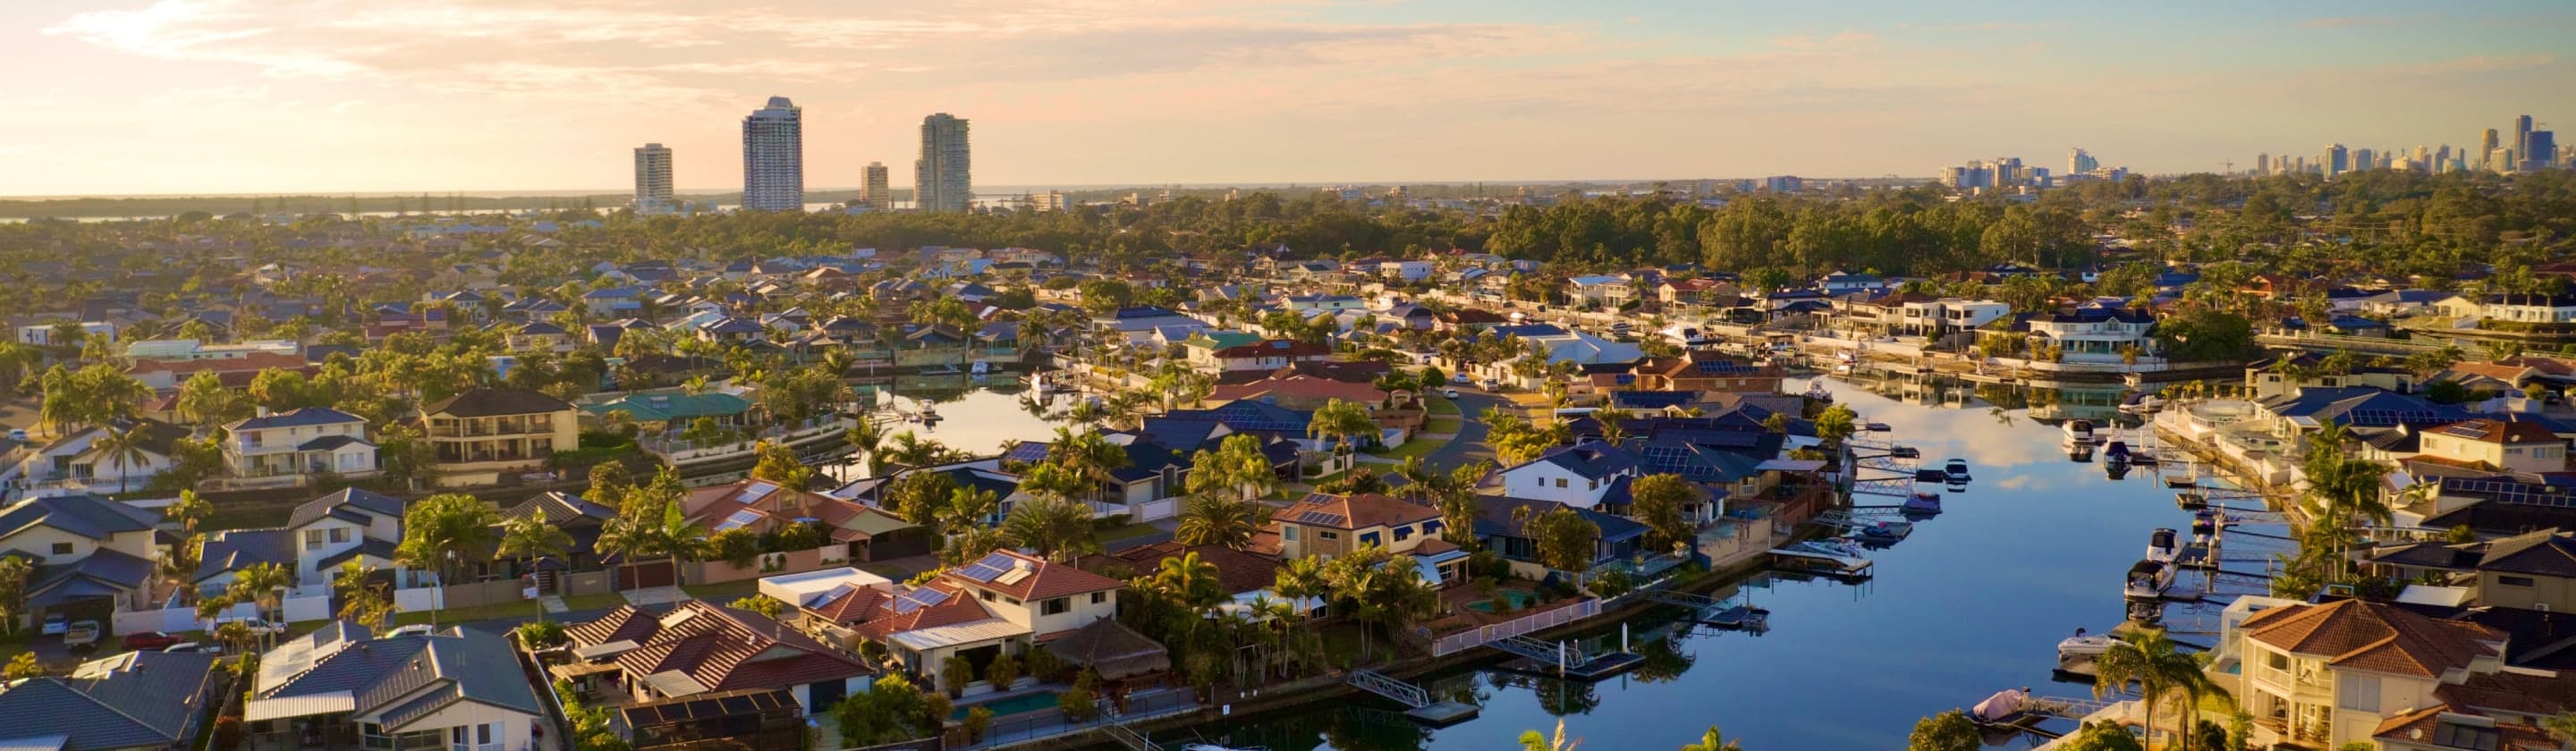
773 157
942 178
652 178
875 191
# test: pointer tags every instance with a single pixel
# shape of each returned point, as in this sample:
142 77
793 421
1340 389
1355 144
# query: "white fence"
294 609
1535 622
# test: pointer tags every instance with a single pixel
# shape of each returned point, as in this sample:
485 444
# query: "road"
1469 444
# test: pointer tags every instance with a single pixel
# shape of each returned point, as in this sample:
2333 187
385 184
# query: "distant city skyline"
340 96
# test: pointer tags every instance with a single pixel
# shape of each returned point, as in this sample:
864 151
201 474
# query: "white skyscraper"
942 179
773 157
652 179
875 190
2078 162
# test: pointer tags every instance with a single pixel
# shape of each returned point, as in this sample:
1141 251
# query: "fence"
768 564
477 594
1535 622
290 610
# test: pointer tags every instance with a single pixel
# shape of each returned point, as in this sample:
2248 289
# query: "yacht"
1957 470
2075 654
2148 580
2079 431
1922 504
2162 546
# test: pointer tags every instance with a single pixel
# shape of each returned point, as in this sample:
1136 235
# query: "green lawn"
601 601
448 616
723 593
1126 532
1442 425
1410 449
1442 406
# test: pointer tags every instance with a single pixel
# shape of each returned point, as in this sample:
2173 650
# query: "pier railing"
1532 623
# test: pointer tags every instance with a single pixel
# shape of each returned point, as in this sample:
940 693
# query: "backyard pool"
1008 706
1518 598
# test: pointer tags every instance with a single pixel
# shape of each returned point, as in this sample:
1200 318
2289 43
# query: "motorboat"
2148 580
1957 470
2115 470
1884 531
2116 450
1922 504
2080 650
1837 557
2204 526
2163 545
2142 403
2003 708
2079 431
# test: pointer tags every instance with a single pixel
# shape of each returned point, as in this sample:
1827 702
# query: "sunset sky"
237 96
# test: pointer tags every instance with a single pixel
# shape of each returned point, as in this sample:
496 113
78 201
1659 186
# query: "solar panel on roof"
918 599
757 491
1030 452
1320 517
992 566
743 518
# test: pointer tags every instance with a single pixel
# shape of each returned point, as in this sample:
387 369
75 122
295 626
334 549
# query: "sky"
268 96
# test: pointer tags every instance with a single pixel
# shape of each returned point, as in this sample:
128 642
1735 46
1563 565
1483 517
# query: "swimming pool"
1006 707
1518 598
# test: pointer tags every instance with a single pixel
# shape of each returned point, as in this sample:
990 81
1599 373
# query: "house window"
1057 606
1560 482
1288 532
1099 597
2514 581
312 539
2276 661
339 534
2358 692
62 548
373 736
1404 533
1327 536
990 597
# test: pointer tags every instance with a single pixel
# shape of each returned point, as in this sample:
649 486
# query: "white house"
1934 318
76 463
1411 271
2529 308
455 690
299 443
1581 475
2095 334
83 546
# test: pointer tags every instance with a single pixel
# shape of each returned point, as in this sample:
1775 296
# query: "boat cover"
1998 707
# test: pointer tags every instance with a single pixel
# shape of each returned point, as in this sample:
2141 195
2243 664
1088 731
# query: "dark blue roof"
134 700
85 515
1652 399
237 549
1527 330
298 418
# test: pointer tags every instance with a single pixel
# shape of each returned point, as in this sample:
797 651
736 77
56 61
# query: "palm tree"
864 436
2148 659
1191 582
1341 422
1089 457
125 447
190 510
178 567
1218 520
1714 741
530 538
1055 526
260 584
440 529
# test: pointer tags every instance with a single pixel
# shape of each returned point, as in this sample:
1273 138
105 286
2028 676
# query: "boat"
2142 403
1741 616
2148 580
2079 651
2163 545
2191 500
1923 504
1957 470
1837 557
1816 390
2079 432
2003 708
2204 526
1883 532
941 370
2117 451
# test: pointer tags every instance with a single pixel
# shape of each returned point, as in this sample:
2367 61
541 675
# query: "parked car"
1451 393
1461 379
258 627
56 623
81 635
151 640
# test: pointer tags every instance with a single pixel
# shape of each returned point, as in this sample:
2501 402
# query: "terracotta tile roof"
2373 637
958 607
1299 387
853 607
1045 580
624 623
2498 432
2513 692
1352 512
724 649
2439 727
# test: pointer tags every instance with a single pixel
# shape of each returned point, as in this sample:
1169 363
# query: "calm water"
974 417
1975 601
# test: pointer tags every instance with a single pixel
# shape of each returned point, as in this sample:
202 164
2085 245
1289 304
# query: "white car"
1451 393
56 624
1461 379
258 627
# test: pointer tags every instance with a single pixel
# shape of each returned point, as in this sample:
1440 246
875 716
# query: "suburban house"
319 536
1005 602
1268 355
137 701
862 533
1328 525
299 444
2094 333
1702 370
1500 524
580 520
457 689
697 648
76 463
2533 571
1948 315
93 556
2508 446
2354 671
1584 475
486 434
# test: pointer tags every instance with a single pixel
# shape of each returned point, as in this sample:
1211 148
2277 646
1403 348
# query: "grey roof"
130 700
292 418
85 515
492 402
370 546
349 504
237 549
407 677
558 508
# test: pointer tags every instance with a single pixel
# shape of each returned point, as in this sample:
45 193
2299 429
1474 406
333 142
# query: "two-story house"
460 689
301 444
1004 603
1584 475
1268 355
698 647
2330 674
482 435
93 556
1501 526
1327 525
78 463
137 701
2509 446
2093 334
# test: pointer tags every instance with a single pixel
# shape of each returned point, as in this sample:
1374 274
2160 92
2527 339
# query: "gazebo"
1117 653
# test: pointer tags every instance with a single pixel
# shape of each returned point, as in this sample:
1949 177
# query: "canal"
1975 601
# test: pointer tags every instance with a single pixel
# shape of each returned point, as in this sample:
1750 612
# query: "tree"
14 571
1236 469
125 446
2102 736
407 455
362 600
262 584
203 400
609 481
530 538
2148 659
1088 457
1714 741
767 606
2205 334
1565 540
652 525
1341 422
779 464
1947 731
22 667
1053 525
1657 501
1835 424
189 511
442 529
1190 581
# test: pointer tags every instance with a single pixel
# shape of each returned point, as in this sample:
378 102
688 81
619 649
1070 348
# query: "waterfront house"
1702 370
1268 355
2353 671
1323 524
486 434
851 531
1501 522
698 647
299 445
2278 376
2508 446
2533 571
459 688
92 555
1582 475
2093 333
137 701
1004 603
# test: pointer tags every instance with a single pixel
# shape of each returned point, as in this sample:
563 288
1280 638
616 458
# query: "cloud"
2342 22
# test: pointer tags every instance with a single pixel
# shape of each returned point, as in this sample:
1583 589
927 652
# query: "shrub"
1044 665
541 635
978 720
762 604
1004 670
1078 703
228 733
955 672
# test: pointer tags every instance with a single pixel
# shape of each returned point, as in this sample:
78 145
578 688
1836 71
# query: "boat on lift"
2204 526
2148 580
1922 504
1957 470
2075 654
2142 403
2163 545
1883 532
2078 432
2116 451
